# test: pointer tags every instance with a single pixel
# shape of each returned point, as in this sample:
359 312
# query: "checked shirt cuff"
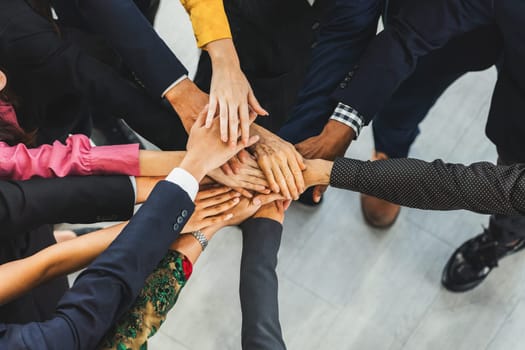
348 116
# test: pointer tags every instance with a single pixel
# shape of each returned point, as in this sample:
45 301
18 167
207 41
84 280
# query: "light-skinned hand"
205 150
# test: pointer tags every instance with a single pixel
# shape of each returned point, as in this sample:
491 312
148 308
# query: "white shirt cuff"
185 180
172 85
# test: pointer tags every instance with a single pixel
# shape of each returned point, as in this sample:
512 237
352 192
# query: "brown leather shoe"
377 212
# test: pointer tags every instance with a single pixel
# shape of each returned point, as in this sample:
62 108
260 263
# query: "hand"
188 101
333 142
274 211
205 151
231 96
212 206
247 208
247 175
281 164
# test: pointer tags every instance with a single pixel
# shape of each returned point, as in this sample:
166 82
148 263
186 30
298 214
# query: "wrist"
222 52
317 172
177 92
338 131
195 167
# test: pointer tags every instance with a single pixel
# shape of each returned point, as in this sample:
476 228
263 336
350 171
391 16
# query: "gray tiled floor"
344 285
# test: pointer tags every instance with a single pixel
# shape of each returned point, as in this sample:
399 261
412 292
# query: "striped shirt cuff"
348 116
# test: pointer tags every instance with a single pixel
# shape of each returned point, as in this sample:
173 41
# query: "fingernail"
236 200
256 201
237 194
229 216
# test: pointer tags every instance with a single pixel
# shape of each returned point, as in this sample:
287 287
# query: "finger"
290 180
219 208
244 117
253 115
253 187
266 167
211 192
233 123
223 115
246 158
257 108
214 220
279 178
201 118
257 178
297 174
300 160
285 205
211 110
218 199
226 168
235 165
251 141
265 199
318 193
244 192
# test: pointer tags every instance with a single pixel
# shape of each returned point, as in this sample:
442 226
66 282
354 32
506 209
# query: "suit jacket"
429 25
273 40
57 83
108 287
123 25
481 187
126 29
27 210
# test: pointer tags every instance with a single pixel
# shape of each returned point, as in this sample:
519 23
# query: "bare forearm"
57 260
159 163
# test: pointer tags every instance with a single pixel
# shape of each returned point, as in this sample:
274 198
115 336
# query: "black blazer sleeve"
46 68
25 205
122 24
392 55
108 287
480 187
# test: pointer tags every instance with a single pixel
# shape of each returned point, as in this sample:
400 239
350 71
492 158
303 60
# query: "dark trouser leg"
258 285
397 125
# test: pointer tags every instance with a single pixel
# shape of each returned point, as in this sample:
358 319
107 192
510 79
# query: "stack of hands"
257 176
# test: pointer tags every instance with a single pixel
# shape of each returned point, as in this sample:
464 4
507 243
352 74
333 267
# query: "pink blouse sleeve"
76 157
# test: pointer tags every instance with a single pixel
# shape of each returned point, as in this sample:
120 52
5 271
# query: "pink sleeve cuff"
115 159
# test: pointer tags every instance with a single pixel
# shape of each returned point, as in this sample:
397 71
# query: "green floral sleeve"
157 297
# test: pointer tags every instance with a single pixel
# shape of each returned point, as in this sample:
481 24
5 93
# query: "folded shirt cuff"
185 180
348 116
115 160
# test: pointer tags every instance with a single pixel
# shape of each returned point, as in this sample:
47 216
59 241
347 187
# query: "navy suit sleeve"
108 287
129 32
26 205
392 56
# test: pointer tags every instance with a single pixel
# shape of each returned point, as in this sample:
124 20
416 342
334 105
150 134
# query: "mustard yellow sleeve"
208 19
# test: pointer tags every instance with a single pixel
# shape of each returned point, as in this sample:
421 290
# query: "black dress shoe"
307 198
472 262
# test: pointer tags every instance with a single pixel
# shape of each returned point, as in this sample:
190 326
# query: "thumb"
253 139
267 198
254 104
201 118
